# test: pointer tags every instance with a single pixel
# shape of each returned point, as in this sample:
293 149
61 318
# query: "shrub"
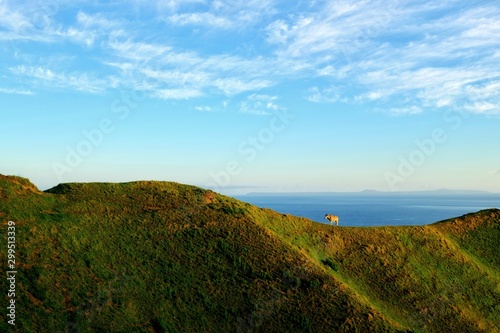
329 262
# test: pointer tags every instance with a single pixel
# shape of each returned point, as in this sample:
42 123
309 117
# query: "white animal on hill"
332 218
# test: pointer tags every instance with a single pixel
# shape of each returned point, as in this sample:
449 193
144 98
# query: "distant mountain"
375 192
446 191
370 191
166 257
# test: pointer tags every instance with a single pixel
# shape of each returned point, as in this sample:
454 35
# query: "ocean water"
379 209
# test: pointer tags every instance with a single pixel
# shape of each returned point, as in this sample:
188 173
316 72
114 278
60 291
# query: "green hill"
167 257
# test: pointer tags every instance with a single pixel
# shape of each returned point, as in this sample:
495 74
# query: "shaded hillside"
166 257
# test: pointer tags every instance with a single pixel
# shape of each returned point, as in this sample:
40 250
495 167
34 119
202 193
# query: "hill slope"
166 257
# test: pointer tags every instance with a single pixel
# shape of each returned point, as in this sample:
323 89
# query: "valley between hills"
166 257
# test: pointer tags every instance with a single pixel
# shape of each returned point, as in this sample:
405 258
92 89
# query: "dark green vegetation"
165 257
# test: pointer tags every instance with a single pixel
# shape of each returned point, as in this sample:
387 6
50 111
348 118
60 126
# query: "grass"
167 257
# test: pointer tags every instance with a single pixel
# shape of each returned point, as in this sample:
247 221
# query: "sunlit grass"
166 257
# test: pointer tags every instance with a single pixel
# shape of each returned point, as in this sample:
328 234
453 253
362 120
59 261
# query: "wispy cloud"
177 93
170 5
178 77
163 73
137 51
15 24
233 86
435 64
15 91
97 21
207 19
392 55
12 20
260 104
162 66
224 14
205 108
325 95
78 81
404 110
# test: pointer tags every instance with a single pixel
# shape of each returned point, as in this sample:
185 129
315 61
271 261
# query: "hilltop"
167 257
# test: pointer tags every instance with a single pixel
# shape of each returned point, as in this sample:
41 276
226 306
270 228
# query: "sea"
364 209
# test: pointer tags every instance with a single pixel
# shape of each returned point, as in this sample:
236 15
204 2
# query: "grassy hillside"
166 257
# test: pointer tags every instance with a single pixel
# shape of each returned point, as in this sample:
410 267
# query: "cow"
332 218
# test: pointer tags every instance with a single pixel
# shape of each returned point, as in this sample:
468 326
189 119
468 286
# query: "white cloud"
233 86
248 108
337 29
21 23
203 108
431 61
245 12
177 77
177 93
405 110
488 90
38 23
326 95
138 51
390 54
483 98
262 98
260 104
97 21
84 37
333 72
36 72
15 91
173 5
374 95
278 32
225 14
169 73
12 19
92 27
78 81
206 19
483 108
434 87
125 67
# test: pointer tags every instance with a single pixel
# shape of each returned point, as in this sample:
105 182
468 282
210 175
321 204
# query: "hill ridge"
168 257
17 183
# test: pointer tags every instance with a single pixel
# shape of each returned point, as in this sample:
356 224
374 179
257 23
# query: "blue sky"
250 95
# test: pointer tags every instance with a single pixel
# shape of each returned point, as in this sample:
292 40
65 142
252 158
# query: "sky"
252 96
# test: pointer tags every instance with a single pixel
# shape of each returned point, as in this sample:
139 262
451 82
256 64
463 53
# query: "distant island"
376 192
